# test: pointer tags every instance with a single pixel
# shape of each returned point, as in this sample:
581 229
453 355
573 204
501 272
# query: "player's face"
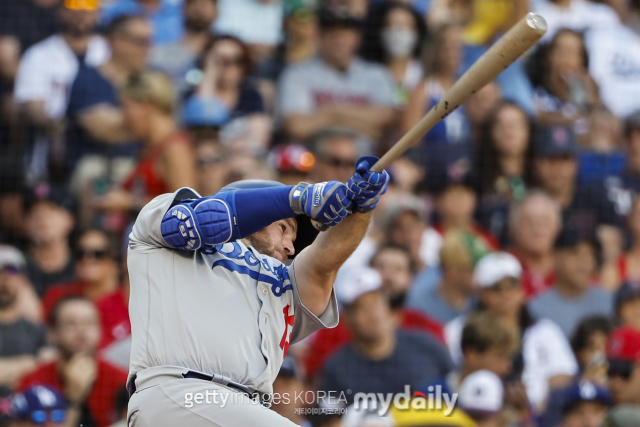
276 240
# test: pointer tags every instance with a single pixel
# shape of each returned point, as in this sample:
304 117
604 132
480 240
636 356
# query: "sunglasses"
95 254
338 163
620 368
506 284
10 270
55 416
204 162
234 61
142 42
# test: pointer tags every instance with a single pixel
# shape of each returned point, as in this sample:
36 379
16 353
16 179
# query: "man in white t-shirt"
47 70
579 15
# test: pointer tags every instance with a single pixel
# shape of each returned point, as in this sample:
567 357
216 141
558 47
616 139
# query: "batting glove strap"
326 202
366 187
295 197
179 228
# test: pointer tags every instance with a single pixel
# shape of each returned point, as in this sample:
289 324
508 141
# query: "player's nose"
289 248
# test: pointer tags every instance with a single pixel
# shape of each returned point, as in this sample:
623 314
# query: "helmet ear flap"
307 233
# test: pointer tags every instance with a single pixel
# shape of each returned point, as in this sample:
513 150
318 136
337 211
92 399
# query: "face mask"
399 42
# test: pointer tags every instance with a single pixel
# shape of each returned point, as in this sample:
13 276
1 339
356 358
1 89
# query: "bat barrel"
503 53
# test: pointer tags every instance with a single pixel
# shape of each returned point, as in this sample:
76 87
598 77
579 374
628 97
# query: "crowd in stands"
502 264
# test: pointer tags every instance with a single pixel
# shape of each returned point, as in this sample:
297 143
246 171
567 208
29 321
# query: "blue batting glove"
325 202
366 187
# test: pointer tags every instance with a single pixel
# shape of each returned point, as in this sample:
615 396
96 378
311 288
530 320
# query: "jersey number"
288 321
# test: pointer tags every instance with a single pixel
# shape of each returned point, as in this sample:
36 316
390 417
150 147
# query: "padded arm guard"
224 217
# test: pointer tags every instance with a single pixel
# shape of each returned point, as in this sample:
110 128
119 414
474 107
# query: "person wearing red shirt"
396 268
88 383
534 225
97 272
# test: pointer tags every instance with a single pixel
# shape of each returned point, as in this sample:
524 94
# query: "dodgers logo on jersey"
279 274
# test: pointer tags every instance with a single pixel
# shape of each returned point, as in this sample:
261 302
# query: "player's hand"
366 187
325 202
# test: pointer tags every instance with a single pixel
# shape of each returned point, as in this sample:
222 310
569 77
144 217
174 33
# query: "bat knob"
537 22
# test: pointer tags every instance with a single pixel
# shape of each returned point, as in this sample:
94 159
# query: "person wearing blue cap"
585 405
586 207
40 405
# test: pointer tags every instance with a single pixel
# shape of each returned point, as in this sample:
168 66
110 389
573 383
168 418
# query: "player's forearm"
316 267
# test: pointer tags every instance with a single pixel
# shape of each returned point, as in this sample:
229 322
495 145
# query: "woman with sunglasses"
226 66
98 279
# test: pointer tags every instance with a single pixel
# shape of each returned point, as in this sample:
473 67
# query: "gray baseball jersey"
232 313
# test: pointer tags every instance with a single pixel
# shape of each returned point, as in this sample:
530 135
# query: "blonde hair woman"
167 157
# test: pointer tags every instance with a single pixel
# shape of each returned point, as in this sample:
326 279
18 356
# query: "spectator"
498 275
394 39
178 60
623 354
97 274
95 113
49 224
482 397
619 88
322 92
48 68
453 296
627 305
211 167
626 268
287 385
622 189
167 161
226 67
484 343
165 16
41 405
480 106
503 166
300 42
577 15
257 23
89 384
534 224
407 228
572 298
394 273
585 207
336 153
441 71
380 358
585 405
565 92
589 345
22 342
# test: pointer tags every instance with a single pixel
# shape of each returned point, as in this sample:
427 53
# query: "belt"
151 376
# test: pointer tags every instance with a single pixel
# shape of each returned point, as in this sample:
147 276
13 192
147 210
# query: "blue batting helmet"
306 232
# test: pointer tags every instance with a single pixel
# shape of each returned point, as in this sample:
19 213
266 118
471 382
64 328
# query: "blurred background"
503 263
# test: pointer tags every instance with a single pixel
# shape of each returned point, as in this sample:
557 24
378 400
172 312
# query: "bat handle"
319 226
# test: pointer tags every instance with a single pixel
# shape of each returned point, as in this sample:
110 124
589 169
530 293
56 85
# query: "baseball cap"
299 8
289 368
356 282
585 391
551 141
481 393
494 267
624 344
627 292
39 403
291 158
623 416
340 18
10 256
82 4
205 112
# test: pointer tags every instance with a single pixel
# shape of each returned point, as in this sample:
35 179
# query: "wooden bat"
503 53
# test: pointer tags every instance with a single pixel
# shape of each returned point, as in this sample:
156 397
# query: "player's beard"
263 245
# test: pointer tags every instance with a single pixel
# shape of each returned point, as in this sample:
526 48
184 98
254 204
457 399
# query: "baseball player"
214 308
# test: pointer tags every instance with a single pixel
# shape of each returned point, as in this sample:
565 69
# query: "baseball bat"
503 53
